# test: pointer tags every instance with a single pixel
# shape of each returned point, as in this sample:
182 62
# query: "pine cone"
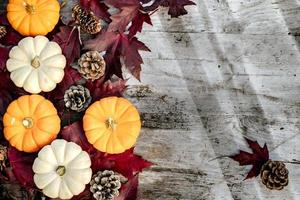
87 21
91 65
274 175
77 98
3 31
3 156
105 185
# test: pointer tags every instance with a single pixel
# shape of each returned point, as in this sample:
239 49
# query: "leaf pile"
118 42
258 157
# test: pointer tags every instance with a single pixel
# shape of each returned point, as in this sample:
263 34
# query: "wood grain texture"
227 70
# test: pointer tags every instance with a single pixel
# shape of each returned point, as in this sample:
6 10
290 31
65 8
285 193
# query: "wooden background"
228 69
231 68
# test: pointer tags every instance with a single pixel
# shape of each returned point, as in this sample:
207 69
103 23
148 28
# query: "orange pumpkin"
30 123
112 125
33 17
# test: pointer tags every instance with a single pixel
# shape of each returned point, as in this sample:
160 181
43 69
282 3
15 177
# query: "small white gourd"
62 169
36 64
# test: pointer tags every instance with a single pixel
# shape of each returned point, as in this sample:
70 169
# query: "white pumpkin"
62 169
36 64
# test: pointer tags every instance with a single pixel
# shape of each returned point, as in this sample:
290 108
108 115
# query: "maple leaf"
258 157
21 164
119 45
97 7
137 23
177 7
129 10
68 39
128 164
75 133
100 90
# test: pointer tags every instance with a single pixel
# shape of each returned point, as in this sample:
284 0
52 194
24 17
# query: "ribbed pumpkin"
112 125
30 123
33 17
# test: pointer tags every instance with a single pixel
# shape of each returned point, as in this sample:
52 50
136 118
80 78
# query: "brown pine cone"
3 31
3 156
91 65
77 98
105 185
274 175
87 21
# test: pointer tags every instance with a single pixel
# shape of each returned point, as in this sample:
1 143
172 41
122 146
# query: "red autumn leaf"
12 37
97 7
137 23
128 10
100 90
128 164
21 164
129 189
4 51
258 157
70 78
177 7
68 39
119 44
74 133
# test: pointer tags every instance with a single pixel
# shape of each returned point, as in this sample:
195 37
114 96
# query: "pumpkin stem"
30 9
27 122
111 123
35 62
61 170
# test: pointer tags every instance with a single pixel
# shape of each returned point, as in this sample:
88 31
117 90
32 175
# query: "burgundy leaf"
137 23
129 190
21 164
71 77
4 51
177 7
74 133
68 39
129 10
97 7
119 45
12 37
100 90
258 157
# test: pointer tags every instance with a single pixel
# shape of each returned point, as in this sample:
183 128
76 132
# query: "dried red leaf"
21 164
128 10
75 133
177 7
4 51
127 163
71 77
100 90
119 45
258 157
129 190
137 23
97 7
68 39
12 37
